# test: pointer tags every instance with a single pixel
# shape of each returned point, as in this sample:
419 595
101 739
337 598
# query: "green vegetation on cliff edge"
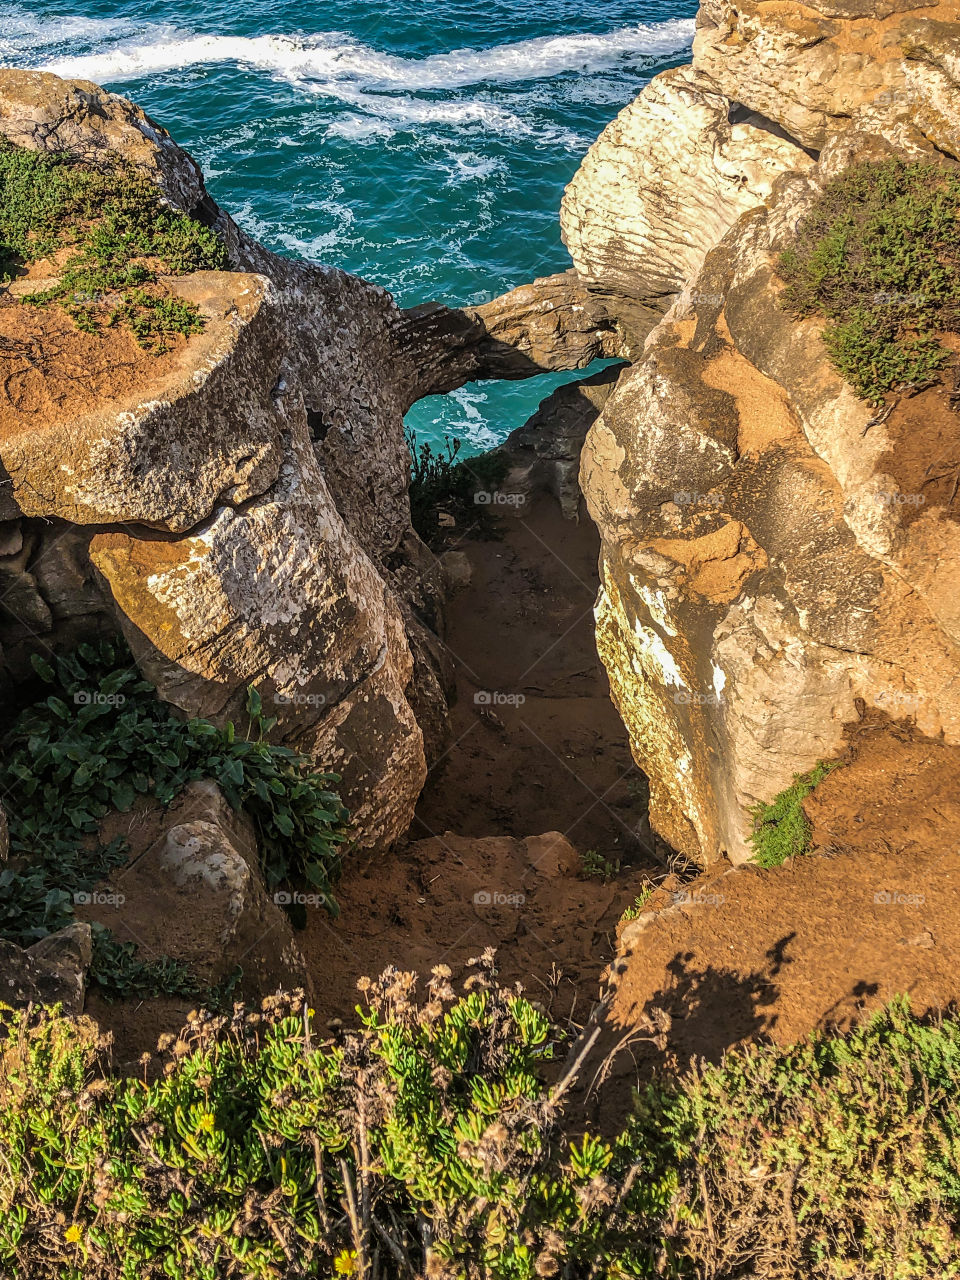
780 828
878 256
119 237
428 1143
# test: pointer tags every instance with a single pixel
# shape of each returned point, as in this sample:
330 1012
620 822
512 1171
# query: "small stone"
457 570
11 537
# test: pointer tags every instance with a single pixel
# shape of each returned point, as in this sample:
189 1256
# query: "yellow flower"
74 1234
345 1263
207 1122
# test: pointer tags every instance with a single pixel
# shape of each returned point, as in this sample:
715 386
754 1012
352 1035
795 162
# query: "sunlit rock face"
769 569
241 510
238 510
663 183
813 68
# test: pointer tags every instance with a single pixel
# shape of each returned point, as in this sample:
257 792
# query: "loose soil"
557 762
51 371
872 912
924 454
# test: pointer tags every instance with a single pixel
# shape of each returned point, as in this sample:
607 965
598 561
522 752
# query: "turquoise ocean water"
424 144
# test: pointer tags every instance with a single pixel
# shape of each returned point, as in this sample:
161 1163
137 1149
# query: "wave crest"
334 61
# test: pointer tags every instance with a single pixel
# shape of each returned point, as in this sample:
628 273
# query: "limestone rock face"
544 454
664 181
43 113
279 595
207 433
931 72
556 322
812 68
763 576
247 497
245 503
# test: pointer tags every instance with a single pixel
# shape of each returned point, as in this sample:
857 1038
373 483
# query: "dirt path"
541 750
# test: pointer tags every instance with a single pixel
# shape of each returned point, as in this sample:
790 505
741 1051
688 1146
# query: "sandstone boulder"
271 447
195 894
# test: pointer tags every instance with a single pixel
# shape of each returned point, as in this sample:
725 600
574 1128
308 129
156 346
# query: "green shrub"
878 258
438 481
102 738
428 1143
834 1159
427 1140
780 828
122 236
639 904
594 866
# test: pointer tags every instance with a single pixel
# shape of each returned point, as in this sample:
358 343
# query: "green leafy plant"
427 1139
594 866
428 1142
638 906
780 828
120 973
121 238
878 257
835 1158
100 739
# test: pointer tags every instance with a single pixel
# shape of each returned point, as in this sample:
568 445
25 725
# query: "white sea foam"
468 166
336 60
24 33
356 128
473 426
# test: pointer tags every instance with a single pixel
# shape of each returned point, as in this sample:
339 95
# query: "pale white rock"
663 182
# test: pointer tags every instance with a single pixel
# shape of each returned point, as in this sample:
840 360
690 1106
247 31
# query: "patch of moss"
878 258
780 828
122 238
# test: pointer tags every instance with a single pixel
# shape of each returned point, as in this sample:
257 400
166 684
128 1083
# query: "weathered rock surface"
273 449
208 433
279 592
195 894
812 69
248 503
761 582
51 971
764 577
773 562
557 322
664 181
544 454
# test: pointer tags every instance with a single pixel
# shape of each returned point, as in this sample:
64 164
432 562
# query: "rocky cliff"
775 557
772 561
239 508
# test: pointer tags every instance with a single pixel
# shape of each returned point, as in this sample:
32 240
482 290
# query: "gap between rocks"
537 774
